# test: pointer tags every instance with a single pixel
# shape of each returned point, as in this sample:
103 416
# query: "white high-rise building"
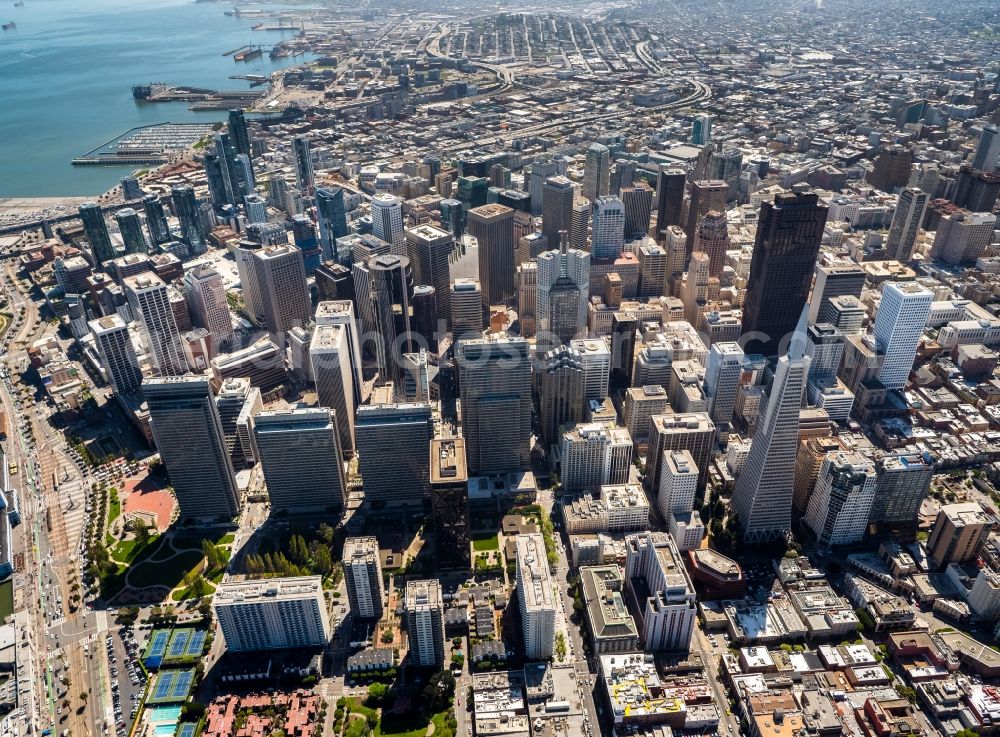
536 597
899 323
272 614
987 156
678 486
840 504
763 495
363 577
117 353
593 455
330 363
564 263
607 235
387 222
906 220
669 609
596 358
150 302
341 312
206 298
722 378
424 608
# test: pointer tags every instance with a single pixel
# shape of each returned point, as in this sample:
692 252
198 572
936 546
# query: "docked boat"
9 26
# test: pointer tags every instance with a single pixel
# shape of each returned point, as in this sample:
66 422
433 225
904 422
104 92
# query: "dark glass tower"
185 207
239 133
156 219
218 192
789 233
331 214
97 232
392 295
130 226
669 197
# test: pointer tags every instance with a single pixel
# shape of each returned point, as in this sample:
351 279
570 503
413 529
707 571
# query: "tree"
142 534
387 636
325 533
377 693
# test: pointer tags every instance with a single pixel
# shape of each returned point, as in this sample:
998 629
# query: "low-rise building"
609 625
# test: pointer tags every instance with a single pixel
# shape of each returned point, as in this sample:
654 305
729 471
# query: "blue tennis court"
178 643
186 729
185 644
156 648
171 686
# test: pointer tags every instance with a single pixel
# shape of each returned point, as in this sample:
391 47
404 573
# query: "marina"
146 145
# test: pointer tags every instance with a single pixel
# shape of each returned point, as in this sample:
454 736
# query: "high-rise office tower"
623 175
188 434
899 324
131 190
243 253
596 359
450 501
130 227
424 322
185 207
516 199
593 455
673 241
669 197
117 353
540 171
453 217
430 250
156 219
466 308
150 302
206 297
300 456
96 229
235 180
239 133
392 296
691 431
977 191
219 191
493 227
596 172
987 155
789 233
608 232
495 389
701 130
277 191
363 577
558 194
838 509
638 202
560 392
695 287
330 364
962 237
387 222
580 223
891 168
652 271
237 403
562 292
472 191
335 282
958 534
825 348
623 328
276 614
281 279
536 597
257 209
661 591
712 239
906 220
903 483
527 297
722 379
302 160
763 494
341 312
304 237
331 214
837 279
678 488
392 446
706 195
423 607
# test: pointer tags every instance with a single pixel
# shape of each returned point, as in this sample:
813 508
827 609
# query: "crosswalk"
73 501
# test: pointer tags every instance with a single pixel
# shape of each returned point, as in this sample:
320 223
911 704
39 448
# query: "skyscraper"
958 534
701 130
130 227
300 456
156 219
608 231
185 207
450 501
988 151
535 596
453 217
962 237
977 191
92 217
579 223
281 279
392 296
341 312
789 233
363 577
596 172
540 171
763 495
558 194
837 279
899 324
838 508
392 447
638 201
276 614
495 389
330 364
188 435
219 191
560 392
117 354
593 455
678 488
239 132
302 159
906 220
903 483
466 308
691 431
424 610
706 195
150 302
206 297
712 239
331 214
131 189
661 591
430 251
493 227
891 168
566 274
669 197
722 378
387 222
